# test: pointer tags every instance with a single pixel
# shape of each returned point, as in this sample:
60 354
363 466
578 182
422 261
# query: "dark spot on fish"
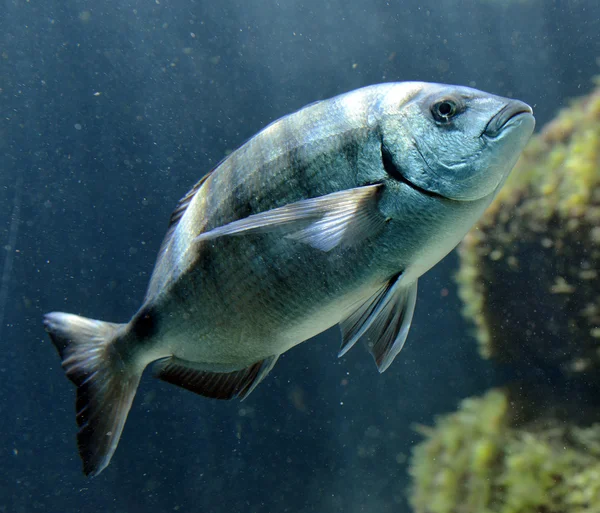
243 208
145 323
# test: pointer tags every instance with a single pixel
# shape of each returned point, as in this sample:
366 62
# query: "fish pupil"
444 110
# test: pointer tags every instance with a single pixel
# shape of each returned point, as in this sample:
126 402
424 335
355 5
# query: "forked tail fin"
105 384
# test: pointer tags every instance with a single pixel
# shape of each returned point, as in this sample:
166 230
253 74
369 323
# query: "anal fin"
216 385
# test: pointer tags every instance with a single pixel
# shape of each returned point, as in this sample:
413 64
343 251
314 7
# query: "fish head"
457 142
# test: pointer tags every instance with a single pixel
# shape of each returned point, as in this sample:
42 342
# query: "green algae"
479 460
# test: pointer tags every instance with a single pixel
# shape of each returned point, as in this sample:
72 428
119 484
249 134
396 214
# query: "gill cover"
457 142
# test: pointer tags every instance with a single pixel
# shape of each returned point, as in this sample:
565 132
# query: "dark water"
109 112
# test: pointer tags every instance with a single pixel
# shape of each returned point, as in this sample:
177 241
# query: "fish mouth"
501 119
394 172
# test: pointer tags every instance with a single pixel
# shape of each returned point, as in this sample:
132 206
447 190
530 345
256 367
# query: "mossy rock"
529 270
481 459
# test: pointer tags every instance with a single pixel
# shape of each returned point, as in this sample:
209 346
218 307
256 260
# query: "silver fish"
327 216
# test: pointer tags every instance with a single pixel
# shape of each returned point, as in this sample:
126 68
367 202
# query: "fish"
328 216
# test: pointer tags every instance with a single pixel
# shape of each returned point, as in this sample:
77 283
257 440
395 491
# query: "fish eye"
444 110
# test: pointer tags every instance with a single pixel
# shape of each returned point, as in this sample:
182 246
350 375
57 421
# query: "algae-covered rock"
482 459
529 270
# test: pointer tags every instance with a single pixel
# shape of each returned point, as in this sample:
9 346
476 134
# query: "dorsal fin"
164 266
181 208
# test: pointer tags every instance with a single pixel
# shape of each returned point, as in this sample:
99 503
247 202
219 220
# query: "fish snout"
501 119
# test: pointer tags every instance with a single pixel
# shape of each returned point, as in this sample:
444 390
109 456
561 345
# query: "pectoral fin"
384 320
339 218
217 385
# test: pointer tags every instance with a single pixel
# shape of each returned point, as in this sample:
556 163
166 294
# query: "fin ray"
179 210
355 325
105 386
383 321
325 222
386 336
216 385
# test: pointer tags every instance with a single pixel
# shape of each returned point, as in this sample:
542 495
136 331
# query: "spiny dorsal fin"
183 205
165 265
175 217
216 385
185 201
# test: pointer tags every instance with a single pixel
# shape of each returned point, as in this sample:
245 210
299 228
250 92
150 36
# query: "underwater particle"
298 399
478 460
442 66
77 126
10 248
595 235
588 274
85 16
496 254
508 3
373 432
528 270
561 286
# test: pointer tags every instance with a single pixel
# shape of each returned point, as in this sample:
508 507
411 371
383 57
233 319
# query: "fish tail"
105 384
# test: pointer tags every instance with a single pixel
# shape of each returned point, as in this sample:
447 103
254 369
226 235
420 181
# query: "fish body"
327 216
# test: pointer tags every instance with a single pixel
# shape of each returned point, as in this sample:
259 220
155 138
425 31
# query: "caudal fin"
105 384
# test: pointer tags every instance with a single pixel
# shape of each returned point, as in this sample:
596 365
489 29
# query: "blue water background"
109 112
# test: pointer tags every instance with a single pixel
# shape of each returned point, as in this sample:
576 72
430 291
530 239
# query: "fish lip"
501 119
